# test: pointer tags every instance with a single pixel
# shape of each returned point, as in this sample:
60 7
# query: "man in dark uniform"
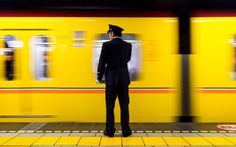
115 55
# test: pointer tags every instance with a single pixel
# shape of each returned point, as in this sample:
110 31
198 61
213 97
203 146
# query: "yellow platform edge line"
68 141
129 141
107 141
46 141
15 145
132 141
4 139
89 141
231 139
218 141
197 141
176 141
154 141
22 140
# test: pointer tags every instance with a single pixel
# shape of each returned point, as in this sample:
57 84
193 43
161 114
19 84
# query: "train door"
41 46
10 45
37 70
25 62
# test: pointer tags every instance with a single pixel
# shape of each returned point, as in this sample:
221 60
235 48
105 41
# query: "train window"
135 63
233 74
79 34
124 36
79 39
9 55
103 37
79 43
40 48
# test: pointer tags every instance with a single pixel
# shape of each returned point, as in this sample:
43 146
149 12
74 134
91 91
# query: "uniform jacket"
115 55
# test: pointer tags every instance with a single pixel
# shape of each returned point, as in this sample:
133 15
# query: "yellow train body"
71 93
213 73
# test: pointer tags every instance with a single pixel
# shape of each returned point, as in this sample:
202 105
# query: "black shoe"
126 134
107 134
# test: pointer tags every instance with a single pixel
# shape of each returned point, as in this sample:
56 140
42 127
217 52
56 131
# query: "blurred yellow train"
213 67
48 65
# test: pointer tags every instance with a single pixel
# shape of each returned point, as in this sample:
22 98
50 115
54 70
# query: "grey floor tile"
159 134
137 126
33 126
168 127
57 134
84 126
9 134
139 134
68 126
31 134
12 126
98 126
211 134
229 134
99 134
82 134
185 134
51 127
204 126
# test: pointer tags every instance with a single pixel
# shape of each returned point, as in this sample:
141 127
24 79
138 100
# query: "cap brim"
109 31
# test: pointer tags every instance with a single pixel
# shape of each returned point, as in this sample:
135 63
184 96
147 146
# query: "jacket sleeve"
102 63
130 50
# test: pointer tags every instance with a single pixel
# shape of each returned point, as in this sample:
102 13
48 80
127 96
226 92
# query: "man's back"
117 54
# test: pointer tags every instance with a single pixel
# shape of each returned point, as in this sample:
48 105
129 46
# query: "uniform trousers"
122 91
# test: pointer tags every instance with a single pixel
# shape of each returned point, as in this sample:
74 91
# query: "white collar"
117 37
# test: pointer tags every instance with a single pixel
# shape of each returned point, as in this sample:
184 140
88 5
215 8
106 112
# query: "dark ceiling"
118 4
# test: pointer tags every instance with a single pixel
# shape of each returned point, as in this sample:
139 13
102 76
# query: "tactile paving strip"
139 139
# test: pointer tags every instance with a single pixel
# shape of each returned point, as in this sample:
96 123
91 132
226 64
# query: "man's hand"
98 81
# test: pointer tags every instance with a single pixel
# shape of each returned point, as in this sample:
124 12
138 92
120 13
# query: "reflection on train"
134 65
40 54
9 57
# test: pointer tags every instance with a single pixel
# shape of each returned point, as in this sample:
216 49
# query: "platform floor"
90 134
